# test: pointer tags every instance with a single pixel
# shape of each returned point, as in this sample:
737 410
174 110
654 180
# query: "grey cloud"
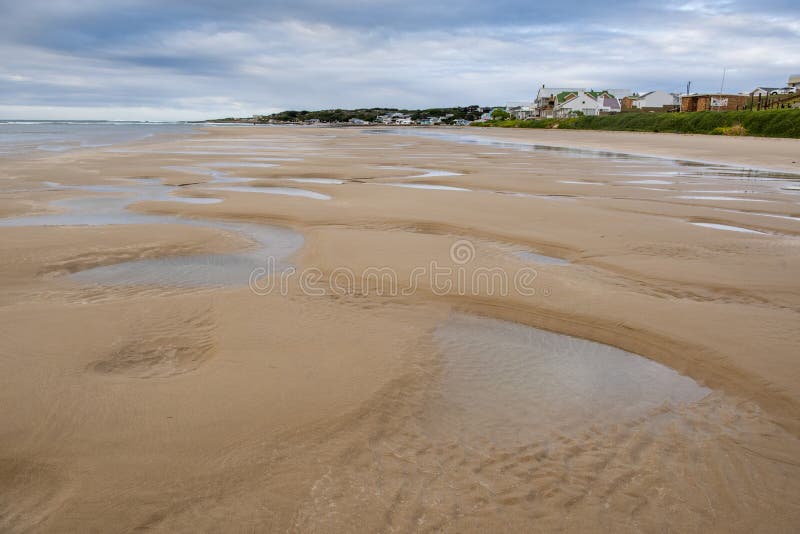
200 58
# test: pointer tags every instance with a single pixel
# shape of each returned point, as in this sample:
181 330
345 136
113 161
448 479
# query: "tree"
500 114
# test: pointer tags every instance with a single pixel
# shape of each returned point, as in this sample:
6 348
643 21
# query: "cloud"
202 58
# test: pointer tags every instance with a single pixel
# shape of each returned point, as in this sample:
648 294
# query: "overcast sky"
197 59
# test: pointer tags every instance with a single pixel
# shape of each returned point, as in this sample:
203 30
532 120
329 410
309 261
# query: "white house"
550 101
546 99
394 118
520 110
794 81
656 99
764 91
585 102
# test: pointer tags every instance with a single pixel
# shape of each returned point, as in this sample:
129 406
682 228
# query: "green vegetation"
736 129
530 123
770 123
500 114
469 113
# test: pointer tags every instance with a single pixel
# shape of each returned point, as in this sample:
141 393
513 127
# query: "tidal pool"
580 182
700 197
638 166
728 227
217 177
271 245
425 186
423 173
504 383
147 189
534 257
430 173
650 182
243 164
288 191
332 181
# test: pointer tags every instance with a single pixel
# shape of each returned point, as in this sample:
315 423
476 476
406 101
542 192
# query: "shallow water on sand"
420 172
273 245
330 181
286 191
534 257
25 137
243 164
651 166
649 182
433 187
217 177
728 227
512 384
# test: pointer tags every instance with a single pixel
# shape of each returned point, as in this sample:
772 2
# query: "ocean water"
32 137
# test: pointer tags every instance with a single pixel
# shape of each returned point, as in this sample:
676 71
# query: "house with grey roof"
654 101
557 102
573 103
520 110
764 91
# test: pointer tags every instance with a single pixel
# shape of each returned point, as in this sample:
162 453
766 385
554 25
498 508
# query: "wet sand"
646 379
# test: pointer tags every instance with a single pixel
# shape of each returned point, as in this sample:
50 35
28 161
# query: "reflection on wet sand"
509 384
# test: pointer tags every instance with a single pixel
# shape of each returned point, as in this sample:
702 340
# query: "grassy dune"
772 123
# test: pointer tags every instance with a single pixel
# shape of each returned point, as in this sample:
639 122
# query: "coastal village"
568 102
565 102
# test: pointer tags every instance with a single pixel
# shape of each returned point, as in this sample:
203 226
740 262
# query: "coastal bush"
499 114
768 123
736 129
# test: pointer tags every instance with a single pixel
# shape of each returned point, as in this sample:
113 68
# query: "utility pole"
722 85
688 86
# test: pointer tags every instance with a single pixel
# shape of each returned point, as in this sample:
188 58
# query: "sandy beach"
240 328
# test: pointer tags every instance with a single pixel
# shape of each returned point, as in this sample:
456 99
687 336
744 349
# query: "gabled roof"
611 102
598 94
564 96
547 91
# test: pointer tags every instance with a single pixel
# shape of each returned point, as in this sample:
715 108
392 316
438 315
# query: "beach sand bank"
358 392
